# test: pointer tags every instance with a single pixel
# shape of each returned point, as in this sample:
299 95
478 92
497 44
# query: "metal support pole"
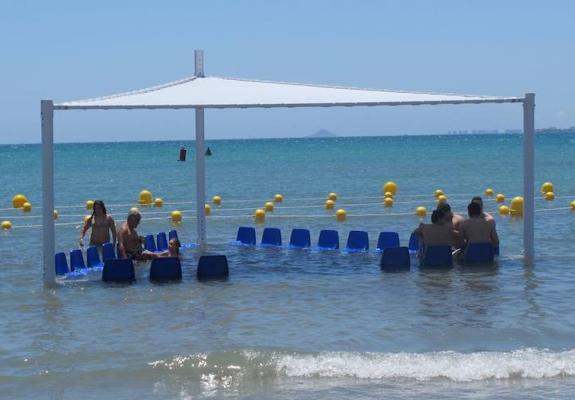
529 176
48 231
200 178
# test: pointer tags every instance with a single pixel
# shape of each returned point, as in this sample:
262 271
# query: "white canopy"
214 92
200 92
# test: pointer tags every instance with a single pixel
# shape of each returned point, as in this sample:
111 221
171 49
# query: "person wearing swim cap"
129 242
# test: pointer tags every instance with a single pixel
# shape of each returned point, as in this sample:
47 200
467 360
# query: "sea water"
292 323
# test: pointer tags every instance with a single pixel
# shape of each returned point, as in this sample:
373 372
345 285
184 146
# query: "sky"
69 50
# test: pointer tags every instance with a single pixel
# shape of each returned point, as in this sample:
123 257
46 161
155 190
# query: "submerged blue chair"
438 257
76 260
272 237
166 269
108 252
357 241
395 259
413 243
387 240
328 240
61 264
246 235
93 258
119 270
173 234
300 239
150 243
479 253
162 241
213 267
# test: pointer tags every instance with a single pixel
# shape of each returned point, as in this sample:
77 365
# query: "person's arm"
112 226
87 224
494 237
121 248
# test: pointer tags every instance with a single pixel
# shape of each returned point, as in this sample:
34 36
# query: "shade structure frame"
48 107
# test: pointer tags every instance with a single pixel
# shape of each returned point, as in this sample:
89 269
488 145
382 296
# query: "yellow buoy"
19 200
90 205
26 207
207 209
388 202
278 198
340 215
516 206
158 202
87 217
6 225
438 193
145 197
547 187
55 215
421 212
504 210
500 198
332 196
217 200
134 210
489 192
573 205
260 215
390 186
176 216
388 194
549 196
269 206
329 204
442 199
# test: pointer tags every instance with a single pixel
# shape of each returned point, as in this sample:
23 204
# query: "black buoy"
183 152
208 152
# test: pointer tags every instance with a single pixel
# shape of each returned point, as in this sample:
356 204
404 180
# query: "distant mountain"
322 133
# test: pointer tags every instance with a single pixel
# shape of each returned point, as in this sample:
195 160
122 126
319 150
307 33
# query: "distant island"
322 133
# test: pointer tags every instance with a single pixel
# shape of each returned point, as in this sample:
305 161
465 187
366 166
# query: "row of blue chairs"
108 253
357 241
165 269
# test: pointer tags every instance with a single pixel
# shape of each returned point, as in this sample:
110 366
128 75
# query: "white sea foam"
454 366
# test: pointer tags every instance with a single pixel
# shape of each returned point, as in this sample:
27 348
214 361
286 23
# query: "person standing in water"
101 224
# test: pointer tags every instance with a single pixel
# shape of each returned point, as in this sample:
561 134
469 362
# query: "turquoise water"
292 324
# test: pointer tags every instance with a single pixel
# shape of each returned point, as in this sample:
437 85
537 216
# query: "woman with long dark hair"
101 224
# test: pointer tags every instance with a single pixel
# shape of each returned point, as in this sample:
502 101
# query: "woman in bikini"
101 224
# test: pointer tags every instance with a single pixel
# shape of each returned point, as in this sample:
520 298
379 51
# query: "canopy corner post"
529 177
200 178
199 63
48 228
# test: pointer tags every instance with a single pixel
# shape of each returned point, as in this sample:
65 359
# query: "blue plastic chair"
213 267
413 243
166 269
357 241
438 257
300 239
272 237
119 270
150 243
76 260
61 264
162 241
173 234
395 259
387 240
328 240
93 258
246 235
108 252
479 253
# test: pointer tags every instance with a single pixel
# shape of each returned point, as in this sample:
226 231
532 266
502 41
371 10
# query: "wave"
454 366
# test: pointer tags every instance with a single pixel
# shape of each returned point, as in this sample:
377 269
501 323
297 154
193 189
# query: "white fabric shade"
215 92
